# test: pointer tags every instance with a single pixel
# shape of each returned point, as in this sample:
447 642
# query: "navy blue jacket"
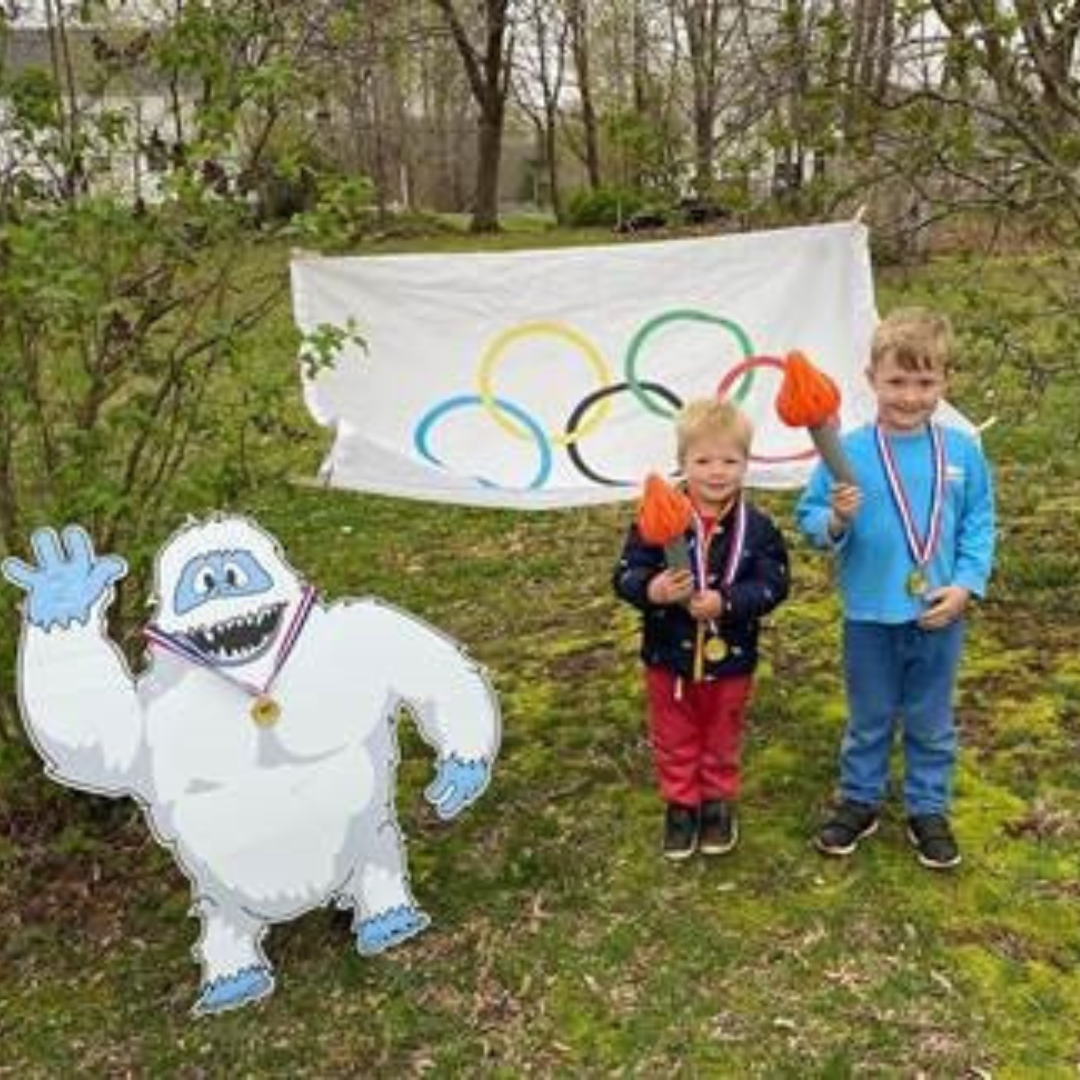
669 631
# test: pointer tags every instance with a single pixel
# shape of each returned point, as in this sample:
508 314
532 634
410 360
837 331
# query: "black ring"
587 403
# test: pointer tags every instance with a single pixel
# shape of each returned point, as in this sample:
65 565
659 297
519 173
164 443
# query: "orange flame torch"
664 515
809 398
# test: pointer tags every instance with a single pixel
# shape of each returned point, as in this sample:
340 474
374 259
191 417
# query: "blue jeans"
900 672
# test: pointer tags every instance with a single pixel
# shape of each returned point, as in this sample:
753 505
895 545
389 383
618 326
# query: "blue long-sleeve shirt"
873 557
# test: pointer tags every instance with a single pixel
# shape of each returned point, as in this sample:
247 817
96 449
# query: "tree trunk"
378 134
640 65
701 24
488 72
485 214
704 142
551 154
577 13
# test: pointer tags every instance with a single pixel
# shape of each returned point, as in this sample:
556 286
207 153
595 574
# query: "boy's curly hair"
711 418
918 340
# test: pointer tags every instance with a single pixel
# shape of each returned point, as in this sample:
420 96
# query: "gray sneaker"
680 831
719 831
933 840
850 823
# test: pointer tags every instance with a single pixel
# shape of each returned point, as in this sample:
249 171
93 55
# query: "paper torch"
664 515
809 398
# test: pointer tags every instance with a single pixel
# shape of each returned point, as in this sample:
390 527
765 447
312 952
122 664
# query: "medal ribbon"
921 550
701 567
702 538
736 545
735 548
180 646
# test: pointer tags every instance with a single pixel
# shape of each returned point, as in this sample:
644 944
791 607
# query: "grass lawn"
562 944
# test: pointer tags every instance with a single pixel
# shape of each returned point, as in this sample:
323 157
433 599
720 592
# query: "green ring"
683 314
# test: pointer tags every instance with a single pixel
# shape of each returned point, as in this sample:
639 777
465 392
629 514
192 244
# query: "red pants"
696 731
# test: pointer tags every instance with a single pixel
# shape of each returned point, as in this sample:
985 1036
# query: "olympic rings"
592 409
420 437
495 350
747 367
583 407
681 315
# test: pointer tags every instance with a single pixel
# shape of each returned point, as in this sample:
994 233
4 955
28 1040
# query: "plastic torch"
809 398
664 515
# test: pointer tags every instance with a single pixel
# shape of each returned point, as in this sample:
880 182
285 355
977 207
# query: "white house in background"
149 104
143 100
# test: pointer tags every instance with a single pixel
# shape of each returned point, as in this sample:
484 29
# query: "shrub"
603 206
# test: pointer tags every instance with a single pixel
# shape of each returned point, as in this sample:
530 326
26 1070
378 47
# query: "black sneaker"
719 831
680 831
934 841
850 823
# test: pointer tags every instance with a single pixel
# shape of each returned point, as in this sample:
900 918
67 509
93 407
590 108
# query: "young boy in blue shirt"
913 541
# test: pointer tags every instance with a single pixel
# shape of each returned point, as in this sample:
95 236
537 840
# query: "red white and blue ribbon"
922 548
734 553
736 544
181 646
735 547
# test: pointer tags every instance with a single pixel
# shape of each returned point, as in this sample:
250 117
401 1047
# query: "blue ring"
420 436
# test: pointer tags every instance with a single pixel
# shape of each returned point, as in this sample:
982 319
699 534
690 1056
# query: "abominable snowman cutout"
261 739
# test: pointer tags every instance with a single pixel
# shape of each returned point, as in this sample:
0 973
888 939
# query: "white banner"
537 379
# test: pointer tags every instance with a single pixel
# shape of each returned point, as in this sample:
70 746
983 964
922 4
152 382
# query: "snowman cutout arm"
453 704
79 699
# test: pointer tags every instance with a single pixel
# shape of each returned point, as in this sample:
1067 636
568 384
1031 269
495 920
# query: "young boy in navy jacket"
700 629
913 539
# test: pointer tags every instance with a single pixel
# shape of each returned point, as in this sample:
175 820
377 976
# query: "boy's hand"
845 500
671 587
707 606
946 605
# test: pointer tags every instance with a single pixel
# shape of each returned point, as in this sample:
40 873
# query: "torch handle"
677 554
827 440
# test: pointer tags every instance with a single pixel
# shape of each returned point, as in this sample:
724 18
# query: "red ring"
740 369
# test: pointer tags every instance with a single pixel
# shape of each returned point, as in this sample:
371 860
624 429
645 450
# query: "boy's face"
906 399
714 467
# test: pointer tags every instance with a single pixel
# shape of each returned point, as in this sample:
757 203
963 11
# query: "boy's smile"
714 468
906 399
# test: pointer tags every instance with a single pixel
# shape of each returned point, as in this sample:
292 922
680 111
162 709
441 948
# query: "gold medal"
715 649
916 583
922 548
265 711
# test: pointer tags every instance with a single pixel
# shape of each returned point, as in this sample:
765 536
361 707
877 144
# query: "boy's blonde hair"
711 418
916 338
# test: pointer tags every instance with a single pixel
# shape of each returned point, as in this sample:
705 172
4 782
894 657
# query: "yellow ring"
495 350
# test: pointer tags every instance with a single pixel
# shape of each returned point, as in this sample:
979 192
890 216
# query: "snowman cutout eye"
234 576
